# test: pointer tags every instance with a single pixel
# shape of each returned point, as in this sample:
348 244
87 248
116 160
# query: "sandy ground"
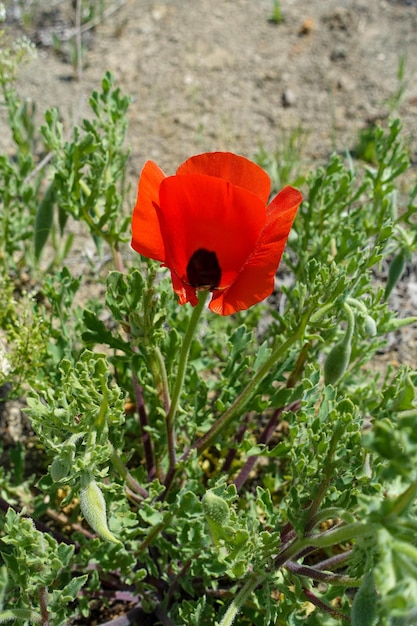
220 75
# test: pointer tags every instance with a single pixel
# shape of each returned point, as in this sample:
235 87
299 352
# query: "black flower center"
203 269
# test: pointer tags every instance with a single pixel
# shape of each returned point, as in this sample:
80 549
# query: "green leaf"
364 603
70 591
97 333
44 219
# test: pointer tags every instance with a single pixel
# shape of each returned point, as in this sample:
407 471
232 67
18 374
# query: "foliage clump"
257 469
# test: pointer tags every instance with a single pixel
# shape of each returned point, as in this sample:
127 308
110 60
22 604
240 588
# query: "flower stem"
240 599
238 405
311 597
292 551
320 576
179 382
328 467
127 476
339 535
117 259
163 378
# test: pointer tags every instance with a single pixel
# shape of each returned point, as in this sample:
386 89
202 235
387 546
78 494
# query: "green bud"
337 362
338 358
215 509
395 271
364 603
93 507
370 326
60 468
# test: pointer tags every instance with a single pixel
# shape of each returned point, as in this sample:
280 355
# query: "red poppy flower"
210 224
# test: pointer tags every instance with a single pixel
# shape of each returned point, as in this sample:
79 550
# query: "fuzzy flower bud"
215 509
60 468
337 362
93 507
370 326
395 271
338 358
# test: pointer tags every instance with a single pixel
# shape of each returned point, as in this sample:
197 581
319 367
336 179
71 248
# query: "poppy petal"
255 282
146 232
185 292
230 167
208 222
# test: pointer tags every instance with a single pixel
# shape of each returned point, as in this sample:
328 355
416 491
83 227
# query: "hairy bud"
337 362
395 271
215 509
93 507
60 468
338 358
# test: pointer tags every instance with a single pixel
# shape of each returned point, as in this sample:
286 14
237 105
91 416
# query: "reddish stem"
144 423
323 606
264 438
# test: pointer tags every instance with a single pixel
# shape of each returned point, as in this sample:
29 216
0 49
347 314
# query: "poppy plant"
212 226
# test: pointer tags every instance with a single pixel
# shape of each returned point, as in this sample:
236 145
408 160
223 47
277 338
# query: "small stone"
288 98
307 26
338 54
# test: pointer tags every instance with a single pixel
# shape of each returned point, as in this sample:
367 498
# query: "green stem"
179 382
404 500
338 535
154 533
163 378
238 405
117 258
306 571
330 513
101 417
328 468
322 540
240 599
127 476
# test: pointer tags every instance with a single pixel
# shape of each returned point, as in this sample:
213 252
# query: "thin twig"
328 467
131 482
38 168
238 439
320 576
335 561
163 617
175 583
61 518
176 392
71 33
78 40
43 602
264 438
311 597
117 260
